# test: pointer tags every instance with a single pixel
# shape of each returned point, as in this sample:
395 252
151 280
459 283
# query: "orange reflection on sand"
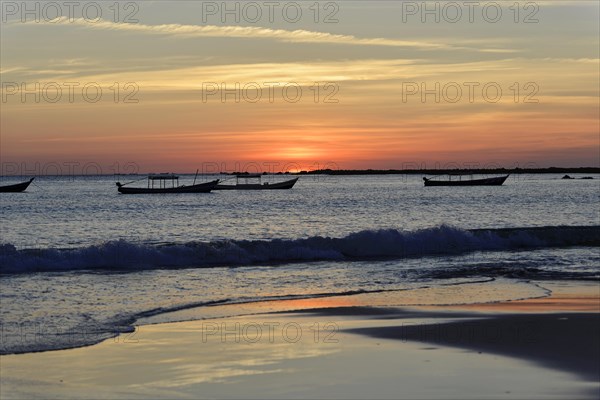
546 304
326 302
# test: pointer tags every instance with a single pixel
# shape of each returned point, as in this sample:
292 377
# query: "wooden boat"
496 181
18 187
259 185
162 188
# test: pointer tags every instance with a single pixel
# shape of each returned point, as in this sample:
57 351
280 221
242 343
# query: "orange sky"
369 69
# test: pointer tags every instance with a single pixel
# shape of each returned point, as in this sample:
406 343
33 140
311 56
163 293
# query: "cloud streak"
282 73
246 32
386 71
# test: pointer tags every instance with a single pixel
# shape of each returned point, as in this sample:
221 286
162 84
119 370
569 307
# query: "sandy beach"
537 349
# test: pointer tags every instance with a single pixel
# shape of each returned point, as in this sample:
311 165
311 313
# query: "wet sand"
487 351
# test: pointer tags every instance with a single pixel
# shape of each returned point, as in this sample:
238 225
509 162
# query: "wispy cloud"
192 74
282 73
10 69
246 32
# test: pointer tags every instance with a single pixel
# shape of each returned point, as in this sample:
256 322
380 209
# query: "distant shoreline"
550 170
431 171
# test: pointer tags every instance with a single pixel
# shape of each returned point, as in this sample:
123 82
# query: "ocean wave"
521 270
121 255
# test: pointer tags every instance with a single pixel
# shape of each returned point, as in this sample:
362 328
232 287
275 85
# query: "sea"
80 263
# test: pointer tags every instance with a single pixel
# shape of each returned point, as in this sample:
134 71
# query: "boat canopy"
157 177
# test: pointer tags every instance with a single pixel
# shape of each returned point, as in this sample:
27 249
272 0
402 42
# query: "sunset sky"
368 62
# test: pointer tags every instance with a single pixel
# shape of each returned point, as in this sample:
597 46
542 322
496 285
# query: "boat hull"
497 181
19 187
200 188
257 186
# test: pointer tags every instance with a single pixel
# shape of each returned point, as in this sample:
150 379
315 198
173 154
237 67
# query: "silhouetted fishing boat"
496 181
162 180
259 185
18 187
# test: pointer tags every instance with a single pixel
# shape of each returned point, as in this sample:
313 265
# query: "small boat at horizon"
495 181
17 187
164 188
259 185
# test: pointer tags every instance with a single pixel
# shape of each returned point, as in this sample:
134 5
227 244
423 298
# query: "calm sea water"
79 262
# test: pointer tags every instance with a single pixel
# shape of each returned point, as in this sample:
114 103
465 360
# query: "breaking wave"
121 255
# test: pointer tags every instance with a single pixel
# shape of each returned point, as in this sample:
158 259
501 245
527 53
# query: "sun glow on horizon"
375 95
